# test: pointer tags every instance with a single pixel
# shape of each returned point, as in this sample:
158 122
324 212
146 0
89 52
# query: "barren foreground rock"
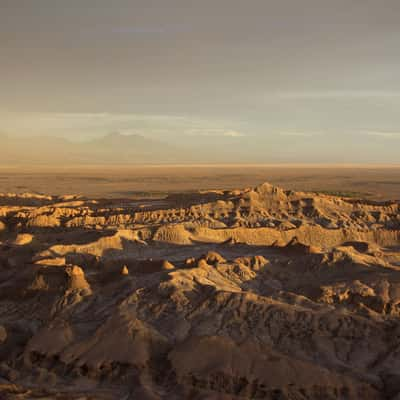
249 294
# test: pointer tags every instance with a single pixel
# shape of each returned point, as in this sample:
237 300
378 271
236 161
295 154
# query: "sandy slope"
245 294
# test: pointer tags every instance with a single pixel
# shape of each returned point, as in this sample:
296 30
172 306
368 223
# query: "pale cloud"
81 125
304 134
233 134
85 125
384 134
214 132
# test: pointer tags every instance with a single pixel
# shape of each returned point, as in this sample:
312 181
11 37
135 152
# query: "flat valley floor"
368 181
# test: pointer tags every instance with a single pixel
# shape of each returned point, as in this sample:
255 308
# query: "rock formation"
248 294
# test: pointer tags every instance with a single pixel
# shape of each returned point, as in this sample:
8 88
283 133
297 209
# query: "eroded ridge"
248 294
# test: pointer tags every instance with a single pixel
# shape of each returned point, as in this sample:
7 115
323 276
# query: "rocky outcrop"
249 294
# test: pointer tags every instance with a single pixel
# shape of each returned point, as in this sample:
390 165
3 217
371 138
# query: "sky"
318 77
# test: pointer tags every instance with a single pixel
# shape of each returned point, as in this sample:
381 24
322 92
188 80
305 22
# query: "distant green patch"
154 194
140 195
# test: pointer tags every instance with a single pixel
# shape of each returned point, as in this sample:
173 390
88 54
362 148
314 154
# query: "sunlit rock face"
258 293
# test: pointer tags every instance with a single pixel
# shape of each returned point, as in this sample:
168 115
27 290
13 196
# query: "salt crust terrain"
248 294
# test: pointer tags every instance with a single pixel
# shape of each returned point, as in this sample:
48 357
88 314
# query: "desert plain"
373 181
200 282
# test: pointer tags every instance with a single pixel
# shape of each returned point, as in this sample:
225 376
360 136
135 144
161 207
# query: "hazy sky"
310 73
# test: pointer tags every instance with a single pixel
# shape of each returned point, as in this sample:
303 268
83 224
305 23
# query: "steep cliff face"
249 294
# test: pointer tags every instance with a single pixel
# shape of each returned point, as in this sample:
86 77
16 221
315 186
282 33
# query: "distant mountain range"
113 148
117 148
